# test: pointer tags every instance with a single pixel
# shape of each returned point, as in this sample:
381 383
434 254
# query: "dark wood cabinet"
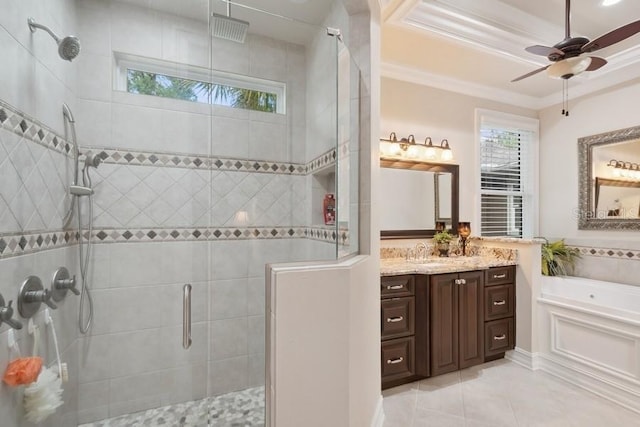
457 321
404 326
499 311
431 325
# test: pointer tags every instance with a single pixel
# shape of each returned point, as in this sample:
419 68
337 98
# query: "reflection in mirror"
415 196
610 180
443 197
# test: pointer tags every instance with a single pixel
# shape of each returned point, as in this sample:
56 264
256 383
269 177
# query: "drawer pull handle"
460 281
395 361
395 319
503 302
394 287
500 276
500 338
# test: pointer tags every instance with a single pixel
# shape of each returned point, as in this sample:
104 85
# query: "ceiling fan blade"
612 37
596 63
543 50
539 70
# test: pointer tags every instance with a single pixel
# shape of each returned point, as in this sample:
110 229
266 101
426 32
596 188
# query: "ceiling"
303 17
477 47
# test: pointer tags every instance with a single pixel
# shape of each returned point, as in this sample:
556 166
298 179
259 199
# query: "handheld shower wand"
68 47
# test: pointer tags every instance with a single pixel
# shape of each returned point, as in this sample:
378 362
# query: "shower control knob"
43 295
61 283
6 315
32 295
69 284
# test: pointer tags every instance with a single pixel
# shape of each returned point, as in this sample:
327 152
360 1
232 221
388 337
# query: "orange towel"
22 371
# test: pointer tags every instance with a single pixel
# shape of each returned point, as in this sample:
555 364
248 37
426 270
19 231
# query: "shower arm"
33 25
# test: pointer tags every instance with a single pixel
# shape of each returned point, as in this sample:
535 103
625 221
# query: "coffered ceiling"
477 46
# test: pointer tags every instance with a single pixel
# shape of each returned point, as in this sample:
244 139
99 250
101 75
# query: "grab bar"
186 316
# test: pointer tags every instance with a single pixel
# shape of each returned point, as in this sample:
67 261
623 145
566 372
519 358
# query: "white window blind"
506 184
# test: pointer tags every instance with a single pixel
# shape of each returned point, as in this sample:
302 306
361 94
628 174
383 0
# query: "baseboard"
378 417
591 382
524 358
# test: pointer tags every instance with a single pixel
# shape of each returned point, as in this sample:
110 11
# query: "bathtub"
589 335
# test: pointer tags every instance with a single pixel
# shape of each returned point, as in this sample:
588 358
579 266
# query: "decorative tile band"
327 234
615 253
26 126
322 161
15 245
29 243
193 161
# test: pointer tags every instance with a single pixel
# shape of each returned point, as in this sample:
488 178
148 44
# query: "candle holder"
464 230
440 226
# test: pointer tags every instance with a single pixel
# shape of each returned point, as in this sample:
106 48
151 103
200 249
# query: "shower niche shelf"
323 182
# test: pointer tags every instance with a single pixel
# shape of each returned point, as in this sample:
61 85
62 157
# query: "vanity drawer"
499 336
397 359
500 275
397 317
498 302
396 286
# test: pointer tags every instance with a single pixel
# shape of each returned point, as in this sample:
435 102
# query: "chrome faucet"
421 251
6 315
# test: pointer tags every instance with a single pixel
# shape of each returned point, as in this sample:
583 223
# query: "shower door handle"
186 316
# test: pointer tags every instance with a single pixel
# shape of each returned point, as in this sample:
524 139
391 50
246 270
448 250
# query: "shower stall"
219 152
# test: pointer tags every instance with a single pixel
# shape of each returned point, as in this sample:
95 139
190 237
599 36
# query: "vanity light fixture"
409 149
625 169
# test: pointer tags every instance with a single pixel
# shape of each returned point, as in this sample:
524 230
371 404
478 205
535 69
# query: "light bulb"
413 152
430 153
447 155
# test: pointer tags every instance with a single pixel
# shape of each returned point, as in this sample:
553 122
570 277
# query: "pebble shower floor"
238 409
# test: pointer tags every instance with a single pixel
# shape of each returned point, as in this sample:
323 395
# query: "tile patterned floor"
500 393
239 409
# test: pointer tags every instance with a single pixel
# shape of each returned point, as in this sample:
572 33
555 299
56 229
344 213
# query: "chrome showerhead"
228 28
68 47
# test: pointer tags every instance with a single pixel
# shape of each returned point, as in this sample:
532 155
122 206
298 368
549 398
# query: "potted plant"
557 258
442 239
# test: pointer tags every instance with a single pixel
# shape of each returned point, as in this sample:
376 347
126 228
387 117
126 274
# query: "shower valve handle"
43 295
69 283
6 314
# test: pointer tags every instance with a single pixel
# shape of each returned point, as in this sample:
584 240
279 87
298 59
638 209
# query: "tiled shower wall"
34 165
174 178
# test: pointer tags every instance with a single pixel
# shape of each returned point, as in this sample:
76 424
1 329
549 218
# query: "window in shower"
153 77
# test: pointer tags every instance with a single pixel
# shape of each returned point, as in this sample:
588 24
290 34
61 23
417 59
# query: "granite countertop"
435 265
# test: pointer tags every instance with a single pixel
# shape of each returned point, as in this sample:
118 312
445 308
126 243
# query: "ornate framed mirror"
414 196
609 179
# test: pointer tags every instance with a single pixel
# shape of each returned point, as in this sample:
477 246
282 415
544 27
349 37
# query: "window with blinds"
506 192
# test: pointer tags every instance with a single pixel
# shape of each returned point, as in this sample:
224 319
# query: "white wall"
602 112
408 108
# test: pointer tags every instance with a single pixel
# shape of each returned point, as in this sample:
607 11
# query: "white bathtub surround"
590 336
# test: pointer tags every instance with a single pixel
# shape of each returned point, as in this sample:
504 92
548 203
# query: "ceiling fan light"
569 67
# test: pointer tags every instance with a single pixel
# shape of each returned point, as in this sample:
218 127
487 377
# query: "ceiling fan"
566 55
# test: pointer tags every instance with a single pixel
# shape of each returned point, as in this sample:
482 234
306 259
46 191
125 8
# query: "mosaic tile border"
23 244
22 124
29 243
193 161
205 162
615 253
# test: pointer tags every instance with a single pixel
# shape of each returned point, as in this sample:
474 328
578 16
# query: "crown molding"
490 26
439 81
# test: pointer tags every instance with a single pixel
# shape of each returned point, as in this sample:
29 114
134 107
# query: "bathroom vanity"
440 315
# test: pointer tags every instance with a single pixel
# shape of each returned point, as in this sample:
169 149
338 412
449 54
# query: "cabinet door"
444 323
471 315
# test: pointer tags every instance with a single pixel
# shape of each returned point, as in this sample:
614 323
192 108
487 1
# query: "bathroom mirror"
610 180
414 196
